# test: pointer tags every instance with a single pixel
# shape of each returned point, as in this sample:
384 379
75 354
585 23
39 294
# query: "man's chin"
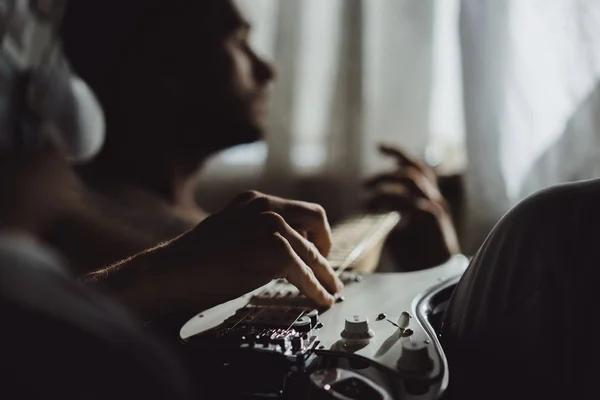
241 135
255 131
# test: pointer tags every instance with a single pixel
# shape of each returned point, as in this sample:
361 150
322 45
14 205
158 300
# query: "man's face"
250 75
229 91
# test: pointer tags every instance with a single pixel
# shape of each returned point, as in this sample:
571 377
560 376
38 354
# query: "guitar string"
296 320
340 270
344 265
251 310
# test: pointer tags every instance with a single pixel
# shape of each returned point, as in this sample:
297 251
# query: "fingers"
404 203
307 252
431 216
393 201
396 182
294 225
405 161
301 276
311 256
401 157
413 180
243 199
303 217
312 219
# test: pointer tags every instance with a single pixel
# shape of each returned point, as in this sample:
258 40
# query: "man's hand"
426 236
255 239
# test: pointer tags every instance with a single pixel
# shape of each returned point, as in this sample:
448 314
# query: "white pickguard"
388 293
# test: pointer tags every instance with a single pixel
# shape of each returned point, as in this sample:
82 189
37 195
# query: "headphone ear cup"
91 126
68 112
41 101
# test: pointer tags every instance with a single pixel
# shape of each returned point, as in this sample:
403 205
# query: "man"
180 82
61 338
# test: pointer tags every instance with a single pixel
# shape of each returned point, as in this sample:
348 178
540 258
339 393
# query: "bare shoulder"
92 236
554 207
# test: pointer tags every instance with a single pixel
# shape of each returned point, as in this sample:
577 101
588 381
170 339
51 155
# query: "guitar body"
261 345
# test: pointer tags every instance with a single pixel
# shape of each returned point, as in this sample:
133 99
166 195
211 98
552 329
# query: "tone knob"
415 358
357 329
303 325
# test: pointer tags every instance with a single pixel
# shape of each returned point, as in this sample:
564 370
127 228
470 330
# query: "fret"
354 238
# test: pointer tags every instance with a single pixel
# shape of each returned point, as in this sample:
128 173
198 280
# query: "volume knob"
303 325
415 358
357 329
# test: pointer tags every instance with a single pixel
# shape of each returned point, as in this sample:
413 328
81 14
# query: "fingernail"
328 298
331 300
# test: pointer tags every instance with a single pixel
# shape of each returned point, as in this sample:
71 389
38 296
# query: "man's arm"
255 239
137 283
155 283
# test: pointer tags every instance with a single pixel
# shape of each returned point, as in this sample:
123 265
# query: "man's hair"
101 36
97 33
121 48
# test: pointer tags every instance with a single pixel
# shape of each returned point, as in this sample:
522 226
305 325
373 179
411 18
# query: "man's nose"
264 71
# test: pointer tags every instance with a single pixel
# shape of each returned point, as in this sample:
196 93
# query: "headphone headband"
41 102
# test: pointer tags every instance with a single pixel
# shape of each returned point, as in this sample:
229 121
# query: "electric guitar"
373 343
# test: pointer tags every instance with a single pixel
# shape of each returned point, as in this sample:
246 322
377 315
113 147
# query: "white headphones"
41 100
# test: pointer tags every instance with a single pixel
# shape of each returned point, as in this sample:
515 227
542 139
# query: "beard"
217 133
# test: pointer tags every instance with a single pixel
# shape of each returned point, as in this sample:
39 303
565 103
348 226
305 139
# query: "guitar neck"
357 241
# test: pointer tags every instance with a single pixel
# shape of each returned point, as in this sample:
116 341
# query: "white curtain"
519 77
351 74
531 70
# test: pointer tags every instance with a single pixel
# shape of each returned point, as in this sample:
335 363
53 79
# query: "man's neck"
172 182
